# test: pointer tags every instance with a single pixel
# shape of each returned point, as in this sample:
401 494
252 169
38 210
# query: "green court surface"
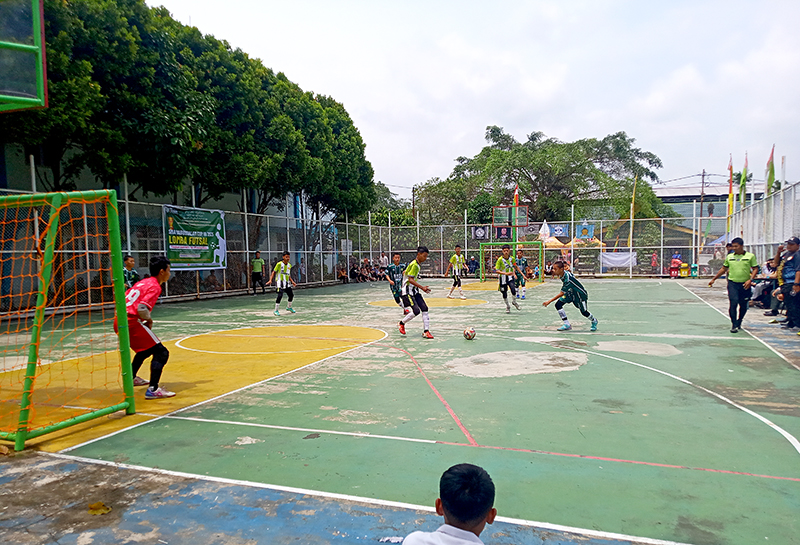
661 424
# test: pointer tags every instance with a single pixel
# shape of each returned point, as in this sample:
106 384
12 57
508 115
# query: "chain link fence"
326 252
768 223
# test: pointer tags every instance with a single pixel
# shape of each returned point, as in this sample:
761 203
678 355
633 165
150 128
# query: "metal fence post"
246 241
390 234
321 248
369 223
418 228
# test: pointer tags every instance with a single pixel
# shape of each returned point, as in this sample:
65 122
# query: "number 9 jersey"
145 292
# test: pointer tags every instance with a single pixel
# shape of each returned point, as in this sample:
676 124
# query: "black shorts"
456 280
416 302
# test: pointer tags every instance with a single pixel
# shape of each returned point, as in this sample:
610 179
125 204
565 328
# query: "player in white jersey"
505 267
284 282
459 265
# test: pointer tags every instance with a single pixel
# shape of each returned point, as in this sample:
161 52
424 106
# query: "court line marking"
788 436
784 358
359 499
491 447
311 430
553 331
450 410
68 449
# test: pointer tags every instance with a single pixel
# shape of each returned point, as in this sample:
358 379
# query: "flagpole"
630 234
730 198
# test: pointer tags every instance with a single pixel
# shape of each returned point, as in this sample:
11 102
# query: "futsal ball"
469 333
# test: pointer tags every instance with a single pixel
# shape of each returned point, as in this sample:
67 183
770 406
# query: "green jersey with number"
395 272
410 273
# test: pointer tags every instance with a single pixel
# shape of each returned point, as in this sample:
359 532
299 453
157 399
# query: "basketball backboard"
23 78
509 216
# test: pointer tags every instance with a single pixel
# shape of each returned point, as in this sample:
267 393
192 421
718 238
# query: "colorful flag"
516 194
743 183
770 174
730 187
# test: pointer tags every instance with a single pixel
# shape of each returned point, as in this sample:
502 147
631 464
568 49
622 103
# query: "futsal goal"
61 286
532 250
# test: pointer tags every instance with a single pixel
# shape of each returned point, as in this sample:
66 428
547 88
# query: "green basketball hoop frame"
519 245
23 73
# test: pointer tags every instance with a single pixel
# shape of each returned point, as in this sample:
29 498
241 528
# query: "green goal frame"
514 247
55 201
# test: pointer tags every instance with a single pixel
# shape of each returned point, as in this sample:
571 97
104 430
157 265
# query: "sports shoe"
564 327
402 328
734 329
523 297
518 296
277 313
290 309
450 296
594 325
427 335
158 394
406 311
463 297
771 313
776 321
508 310
516 305
140 381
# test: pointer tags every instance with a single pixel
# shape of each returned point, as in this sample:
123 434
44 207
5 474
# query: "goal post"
492 250
62 287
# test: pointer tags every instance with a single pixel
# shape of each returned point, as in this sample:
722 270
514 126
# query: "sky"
692 81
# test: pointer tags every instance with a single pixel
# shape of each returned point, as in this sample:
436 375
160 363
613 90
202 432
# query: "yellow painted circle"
435 302
492 285
279 340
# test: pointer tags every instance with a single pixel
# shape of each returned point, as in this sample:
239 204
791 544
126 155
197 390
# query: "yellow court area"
205 366
434 302
492 285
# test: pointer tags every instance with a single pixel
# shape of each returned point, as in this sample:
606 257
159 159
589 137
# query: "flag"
516 194
731 199
743 183
770 174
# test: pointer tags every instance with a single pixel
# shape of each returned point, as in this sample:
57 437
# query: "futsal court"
660 425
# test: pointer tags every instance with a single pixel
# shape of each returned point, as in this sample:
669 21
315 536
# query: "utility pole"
700 222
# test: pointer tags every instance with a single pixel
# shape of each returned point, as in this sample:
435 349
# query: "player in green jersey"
411 294
257 274
522 267
573 292
505 267
459 265
394 274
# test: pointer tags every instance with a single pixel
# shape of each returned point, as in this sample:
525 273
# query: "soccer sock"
426 321
523 291
563 316
591 317
451 291
277 306
505 300
408 317
289 304
461 292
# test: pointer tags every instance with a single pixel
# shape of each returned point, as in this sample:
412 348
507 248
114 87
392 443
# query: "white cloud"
691 80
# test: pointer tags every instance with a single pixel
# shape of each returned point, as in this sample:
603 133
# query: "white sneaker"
160 393
450 296
516 305
463 297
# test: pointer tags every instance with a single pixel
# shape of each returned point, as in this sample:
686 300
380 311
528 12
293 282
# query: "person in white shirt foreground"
466 499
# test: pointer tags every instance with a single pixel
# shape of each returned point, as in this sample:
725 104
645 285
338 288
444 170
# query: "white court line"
788 436
359 499
289 428
225 394
781 356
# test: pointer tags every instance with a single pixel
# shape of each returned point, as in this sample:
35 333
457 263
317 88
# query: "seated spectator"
472 265
354 273
342 275
212 282
466 499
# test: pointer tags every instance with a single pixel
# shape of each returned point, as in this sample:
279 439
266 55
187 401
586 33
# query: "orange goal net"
61 286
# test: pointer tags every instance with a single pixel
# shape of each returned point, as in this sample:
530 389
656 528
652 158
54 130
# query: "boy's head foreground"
422 254
466 498
558 268
160 268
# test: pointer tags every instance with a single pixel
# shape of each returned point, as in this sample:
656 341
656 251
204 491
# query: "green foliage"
551 176
131 90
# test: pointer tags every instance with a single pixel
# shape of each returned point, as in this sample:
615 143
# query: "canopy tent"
586 242
552 242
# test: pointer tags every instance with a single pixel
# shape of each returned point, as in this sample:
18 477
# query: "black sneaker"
771 313
734 329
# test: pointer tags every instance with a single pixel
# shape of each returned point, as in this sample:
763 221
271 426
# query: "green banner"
195 238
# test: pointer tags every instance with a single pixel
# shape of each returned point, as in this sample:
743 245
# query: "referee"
741 267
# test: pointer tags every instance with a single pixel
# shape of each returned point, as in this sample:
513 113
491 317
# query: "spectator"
384 261
212 282
129 273
654 262
788 264
342 275
548 268
466 499
354 273
472 265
